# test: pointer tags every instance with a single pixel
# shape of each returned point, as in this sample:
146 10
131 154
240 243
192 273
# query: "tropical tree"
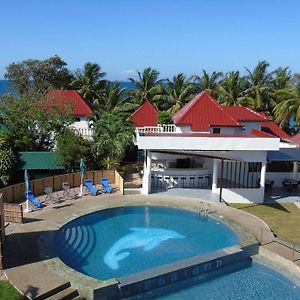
113 135
208 82
37 76
113 98
179 91
259 91
88 82
7 160
29 128
147 86
71 148
231 89
289 106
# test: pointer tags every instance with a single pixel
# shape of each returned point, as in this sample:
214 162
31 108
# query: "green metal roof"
39 161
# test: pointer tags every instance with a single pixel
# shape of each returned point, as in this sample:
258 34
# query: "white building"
71 102
225 149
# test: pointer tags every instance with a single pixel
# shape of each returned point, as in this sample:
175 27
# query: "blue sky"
172 36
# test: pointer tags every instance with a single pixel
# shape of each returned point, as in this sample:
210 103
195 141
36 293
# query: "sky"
123 36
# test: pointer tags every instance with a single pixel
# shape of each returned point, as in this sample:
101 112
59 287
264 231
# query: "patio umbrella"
82 174
27 188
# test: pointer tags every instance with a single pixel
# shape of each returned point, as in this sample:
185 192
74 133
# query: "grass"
283 219
8 292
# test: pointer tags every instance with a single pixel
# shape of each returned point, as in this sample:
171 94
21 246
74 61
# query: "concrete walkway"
33 267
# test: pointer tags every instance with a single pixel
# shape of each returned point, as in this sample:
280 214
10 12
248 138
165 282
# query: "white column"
262 180
146 187
295 170
215 175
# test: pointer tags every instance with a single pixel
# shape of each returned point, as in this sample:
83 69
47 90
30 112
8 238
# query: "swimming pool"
119 241
236 282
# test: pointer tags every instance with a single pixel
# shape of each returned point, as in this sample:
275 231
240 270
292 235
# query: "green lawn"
284 219
8 292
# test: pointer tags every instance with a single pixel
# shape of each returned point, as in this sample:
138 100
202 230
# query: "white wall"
206 143
243 195
248 126
83 123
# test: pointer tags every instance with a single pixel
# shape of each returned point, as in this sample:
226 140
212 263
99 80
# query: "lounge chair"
107 187
68 192
90 187
33 200
52 196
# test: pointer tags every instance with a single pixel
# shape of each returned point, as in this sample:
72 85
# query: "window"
217 130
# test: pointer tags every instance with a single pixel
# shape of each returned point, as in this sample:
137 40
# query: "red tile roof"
68 99
246 114
296 139
203 112
145 115
271 128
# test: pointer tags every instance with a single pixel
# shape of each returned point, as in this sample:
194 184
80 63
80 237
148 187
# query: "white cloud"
128 73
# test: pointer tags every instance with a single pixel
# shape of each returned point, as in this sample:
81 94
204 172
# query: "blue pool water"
119 241
234 283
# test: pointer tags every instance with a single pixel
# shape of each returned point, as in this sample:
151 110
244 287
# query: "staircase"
62 292
132 181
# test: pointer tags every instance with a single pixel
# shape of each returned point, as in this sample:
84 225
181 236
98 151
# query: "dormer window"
216 130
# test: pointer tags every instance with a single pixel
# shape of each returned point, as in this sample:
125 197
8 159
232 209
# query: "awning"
289 154
227 155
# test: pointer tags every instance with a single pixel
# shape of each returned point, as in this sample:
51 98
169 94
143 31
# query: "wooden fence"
16 192
13 213
2 230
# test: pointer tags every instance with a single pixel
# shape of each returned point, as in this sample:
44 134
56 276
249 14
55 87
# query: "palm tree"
231 89
179 91
113 135
88 82
289 106
112 98
208 82
260 90
147 86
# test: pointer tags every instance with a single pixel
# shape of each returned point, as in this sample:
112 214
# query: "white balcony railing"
166 128
86 133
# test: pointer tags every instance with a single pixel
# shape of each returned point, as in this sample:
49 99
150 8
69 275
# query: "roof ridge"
223 110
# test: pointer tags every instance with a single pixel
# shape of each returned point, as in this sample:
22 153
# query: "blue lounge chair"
89 185
35 201
107 187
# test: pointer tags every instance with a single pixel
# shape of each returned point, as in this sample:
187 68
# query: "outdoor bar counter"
177 177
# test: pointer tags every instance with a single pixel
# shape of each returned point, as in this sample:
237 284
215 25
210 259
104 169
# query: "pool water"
256 282
119 241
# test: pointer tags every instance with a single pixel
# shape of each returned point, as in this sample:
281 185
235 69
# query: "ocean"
6 87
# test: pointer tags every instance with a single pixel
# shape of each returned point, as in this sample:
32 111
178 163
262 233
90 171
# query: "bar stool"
200 180
152 180
167 181
160 181
175 180
183 181
192 181
207 179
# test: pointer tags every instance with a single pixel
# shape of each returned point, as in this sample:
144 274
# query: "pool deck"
33 268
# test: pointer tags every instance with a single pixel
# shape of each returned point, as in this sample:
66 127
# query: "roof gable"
246 114
203 112
66 99
145 115
272 128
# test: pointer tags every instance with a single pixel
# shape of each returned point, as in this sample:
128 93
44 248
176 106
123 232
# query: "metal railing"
280 245
86 133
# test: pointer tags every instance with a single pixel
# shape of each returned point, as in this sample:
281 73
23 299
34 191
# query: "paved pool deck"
33 268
